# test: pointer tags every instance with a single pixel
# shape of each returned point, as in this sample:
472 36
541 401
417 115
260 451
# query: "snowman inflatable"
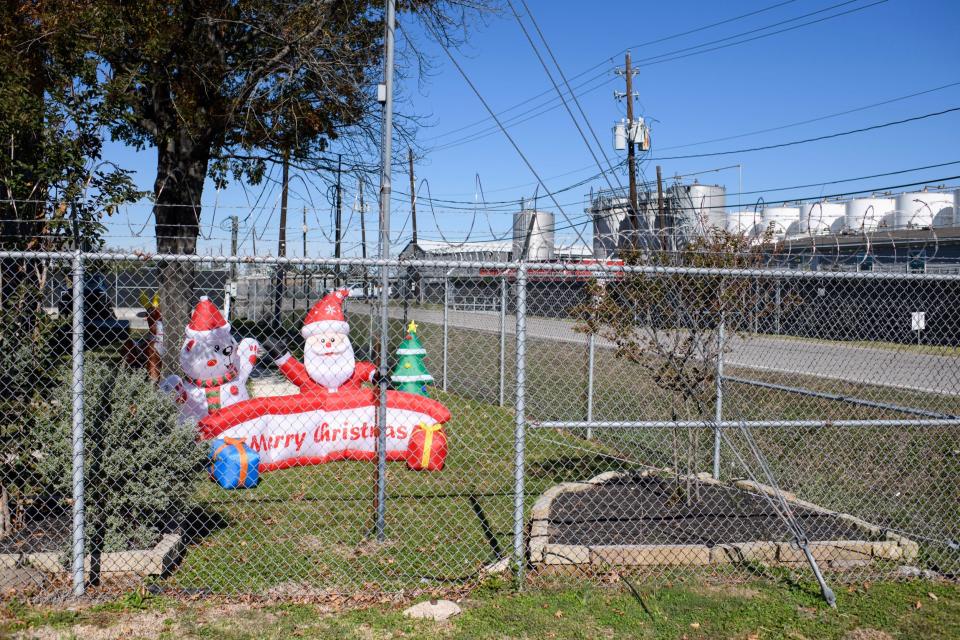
215 367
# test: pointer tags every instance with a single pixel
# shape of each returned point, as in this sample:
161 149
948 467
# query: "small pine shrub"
141 464
28 367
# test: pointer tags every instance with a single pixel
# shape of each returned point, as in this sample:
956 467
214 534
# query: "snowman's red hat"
206 320
327 315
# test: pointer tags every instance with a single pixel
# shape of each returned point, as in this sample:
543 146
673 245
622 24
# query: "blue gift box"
233 464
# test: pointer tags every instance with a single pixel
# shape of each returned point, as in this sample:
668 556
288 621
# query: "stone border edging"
142 562
837 554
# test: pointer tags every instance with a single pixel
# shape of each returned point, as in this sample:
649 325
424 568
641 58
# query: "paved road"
907 368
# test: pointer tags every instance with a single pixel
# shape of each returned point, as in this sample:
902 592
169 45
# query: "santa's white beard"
330 371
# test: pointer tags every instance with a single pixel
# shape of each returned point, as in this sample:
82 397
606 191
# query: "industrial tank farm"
695 210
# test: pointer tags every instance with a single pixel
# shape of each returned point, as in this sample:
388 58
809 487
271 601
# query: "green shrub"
140 462
28 364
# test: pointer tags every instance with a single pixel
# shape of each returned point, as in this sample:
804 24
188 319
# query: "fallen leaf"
694 625
558 614
753 636
866 585
917 605
932 595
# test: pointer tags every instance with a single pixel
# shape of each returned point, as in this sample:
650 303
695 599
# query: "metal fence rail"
540 417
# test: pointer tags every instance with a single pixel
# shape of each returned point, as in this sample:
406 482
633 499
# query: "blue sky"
877 52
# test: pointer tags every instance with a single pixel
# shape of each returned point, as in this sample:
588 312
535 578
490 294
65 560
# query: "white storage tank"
742 222
779 220
610 223
818 218
702 207
866 214
612 227
539 226
793 231
956 208
922 209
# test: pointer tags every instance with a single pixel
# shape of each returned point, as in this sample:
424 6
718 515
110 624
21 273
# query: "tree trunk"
181 169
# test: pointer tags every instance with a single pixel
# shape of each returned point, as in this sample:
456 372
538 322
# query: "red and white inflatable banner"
319 427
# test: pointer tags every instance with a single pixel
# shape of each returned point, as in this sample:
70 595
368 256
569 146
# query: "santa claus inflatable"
328 360
215 367
332 417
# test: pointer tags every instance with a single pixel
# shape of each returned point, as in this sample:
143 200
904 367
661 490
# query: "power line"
839 134
610 58
589 217
811 120
550 105
516 147
779 145
556 88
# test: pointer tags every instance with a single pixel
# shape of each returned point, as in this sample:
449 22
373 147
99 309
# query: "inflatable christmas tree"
410 374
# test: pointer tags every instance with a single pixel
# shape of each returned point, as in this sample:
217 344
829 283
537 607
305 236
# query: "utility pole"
304 269
414 278
413 196
363 235
281 244
304 232
337 218
385 96
631 154
232 284
661 223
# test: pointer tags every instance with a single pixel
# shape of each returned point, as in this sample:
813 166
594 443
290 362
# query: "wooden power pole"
661 223
631 155
363 234
413 278
281 243
337 219
413 196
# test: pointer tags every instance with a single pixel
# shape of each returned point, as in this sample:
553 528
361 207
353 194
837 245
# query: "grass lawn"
689 609
307 529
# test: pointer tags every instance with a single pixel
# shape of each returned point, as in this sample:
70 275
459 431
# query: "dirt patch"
867 634
348 552
142 625
728 590
652 510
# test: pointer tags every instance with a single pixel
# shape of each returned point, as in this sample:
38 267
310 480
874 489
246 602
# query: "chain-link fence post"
718 410
777 306
371 300
446 324
79 521
384 372
591 349
503 337
519 437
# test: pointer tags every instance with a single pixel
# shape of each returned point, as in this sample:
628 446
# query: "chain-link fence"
238 433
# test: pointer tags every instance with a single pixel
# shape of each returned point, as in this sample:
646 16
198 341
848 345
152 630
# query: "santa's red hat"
206 320
327 315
